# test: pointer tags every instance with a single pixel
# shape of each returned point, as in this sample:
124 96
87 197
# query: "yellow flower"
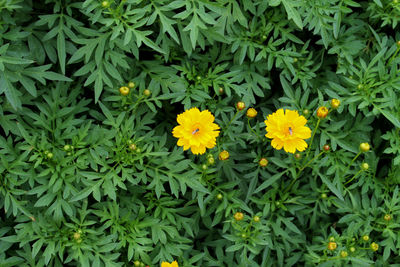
196 130
167 264
287 129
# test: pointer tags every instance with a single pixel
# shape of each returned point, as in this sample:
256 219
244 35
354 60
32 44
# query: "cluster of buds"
48 154
124 90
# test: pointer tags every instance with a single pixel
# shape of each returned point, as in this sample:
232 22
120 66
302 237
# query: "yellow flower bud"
387 217
365 237
147 92
332 246
131 84
263 162
223 155
251 113
256 219
335 103
343 254
365 166
124 90
238 216
374 246
240 105
364 147
322 112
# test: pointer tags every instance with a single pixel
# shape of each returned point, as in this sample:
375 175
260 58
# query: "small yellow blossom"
287 129
196 130
167 264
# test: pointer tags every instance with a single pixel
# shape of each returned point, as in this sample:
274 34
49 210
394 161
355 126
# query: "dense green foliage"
90 177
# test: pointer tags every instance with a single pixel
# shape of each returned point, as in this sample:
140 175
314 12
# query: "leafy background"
100 203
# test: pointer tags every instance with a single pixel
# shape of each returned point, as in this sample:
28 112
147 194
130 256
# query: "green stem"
312 138
348 166
354 176
395 54
248 123
227 126
308 163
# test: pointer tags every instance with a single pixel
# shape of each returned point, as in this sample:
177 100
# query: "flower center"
195 131
290 131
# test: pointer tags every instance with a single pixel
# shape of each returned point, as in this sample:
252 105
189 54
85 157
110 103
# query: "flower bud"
364 147
365 166
387 217
332 246
204 167
398 43
131 84
251 113
326 147
360 86
343 254
223 155
221 90
67 147
240 105
137 263
324 196
331 239
220 196
105 4
50 155
297 156
365 237
335 103
238 216
77 236
306 112
147 92
256 219
263 162
352 249
211 160
124 90
322 112
374 246
132 147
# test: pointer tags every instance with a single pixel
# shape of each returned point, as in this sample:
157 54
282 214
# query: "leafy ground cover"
199 133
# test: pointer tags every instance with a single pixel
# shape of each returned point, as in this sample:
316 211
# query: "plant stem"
248 123
348 166
312 138
354 176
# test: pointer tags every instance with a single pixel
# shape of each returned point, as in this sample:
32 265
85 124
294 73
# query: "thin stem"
227 126
354 176
348 166
312 138
394 55
308 163
248 123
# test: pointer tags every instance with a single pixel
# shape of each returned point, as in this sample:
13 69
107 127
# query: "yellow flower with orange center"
287 129
196 130
167 264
